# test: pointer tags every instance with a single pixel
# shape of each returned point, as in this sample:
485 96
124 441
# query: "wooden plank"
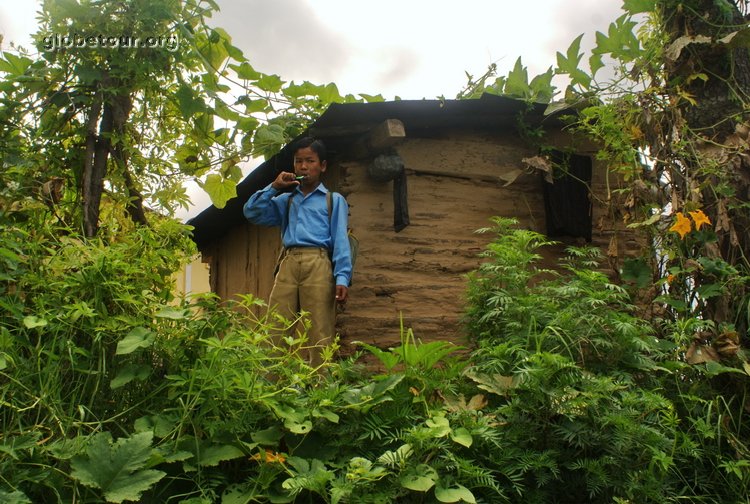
382 137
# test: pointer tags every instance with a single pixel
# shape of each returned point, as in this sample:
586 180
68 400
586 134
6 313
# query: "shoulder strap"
288 207
329 203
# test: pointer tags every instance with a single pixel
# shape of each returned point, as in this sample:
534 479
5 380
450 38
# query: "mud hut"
420 177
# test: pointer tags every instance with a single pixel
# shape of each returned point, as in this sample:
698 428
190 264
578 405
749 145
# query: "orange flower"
699 218
681 225
670 278
269 458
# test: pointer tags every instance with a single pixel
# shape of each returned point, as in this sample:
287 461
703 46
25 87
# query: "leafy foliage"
589 398
118 470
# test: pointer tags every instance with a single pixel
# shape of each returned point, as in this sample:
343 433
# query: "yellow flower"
681 225
699 218
269 457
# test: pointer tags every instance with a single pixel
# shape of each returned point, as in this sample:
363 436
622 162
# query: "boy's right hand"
284 181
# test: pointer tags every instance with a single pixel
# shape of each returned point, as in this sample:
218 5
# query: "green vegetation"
112 390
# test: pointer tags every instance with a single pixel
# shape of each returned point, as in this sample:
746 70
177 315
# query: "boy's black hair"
317 146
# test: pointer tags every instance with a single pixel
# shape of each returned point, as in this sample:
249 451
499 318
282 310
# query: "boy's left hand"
341 293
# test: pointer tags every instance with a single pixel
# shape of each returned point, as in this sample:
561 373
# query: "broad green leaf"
245 71
32 321
707 291
88 74
129 373
15 497
231 170
517 83
247 125
288 411
325 413
13 64
373 393
388 359
169 455
241 494
439 426
234 52
188 102
496 383
161 425
417 483
225 112
421 479
570 64
372 98
637 271
639 6
298 427
203 125
119 469
462 436
268 139
212 455
677 304
425 355
542 88
270 436
595 63
329 93
620 40
383 386
173 313
299 90
254 105
213 48
67 448
458 493
713 368
270 83
138 337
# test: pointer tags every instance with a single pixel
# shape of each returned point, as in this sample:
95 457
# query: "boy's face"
307 162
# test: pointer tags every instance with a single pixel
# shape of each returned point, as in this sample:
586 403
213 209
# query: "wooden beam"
380 138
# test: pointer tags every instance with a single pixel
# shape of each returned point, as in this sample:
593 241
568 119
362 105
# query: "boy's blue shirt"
308 223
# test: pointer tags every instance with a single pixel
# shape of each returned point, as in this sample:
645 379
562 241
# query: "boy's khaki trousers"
305 282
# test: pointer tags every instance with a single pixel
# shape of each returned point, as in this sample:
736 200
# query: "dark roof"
342 123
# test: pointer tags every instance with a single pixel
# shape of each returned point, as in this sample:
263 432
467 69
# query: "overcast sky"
409 48
406 48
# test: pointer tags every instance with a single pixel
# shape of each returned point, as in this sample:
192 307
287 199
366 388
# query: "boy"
315 268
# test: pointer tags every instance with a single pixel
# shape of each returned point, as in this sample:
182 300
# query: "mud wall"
456 183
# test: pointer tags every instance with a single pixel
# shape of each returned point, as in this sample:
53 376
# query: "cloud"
588 16
18 23
397 64
284 37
